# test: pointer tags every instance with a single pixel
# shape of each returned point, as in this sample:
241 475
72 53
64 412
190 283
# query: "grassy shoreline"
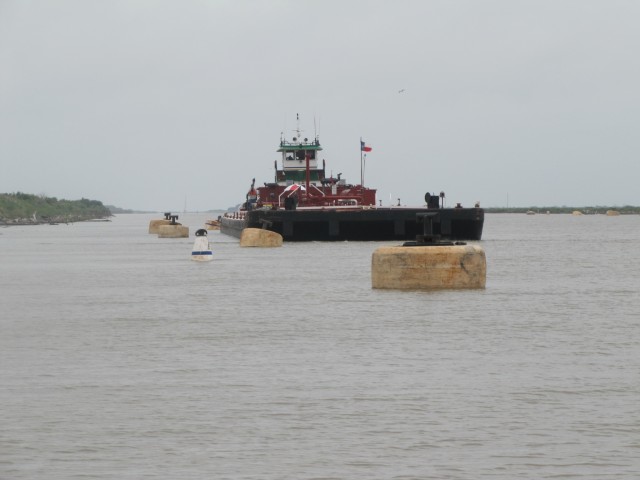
27 209
589 210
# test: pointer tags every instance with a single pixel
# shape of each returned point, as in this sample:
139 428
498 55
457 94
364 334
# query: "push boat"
303 204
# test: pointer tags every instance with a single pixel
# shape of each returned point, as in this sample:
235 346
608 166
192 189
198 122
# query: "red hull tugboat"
303 204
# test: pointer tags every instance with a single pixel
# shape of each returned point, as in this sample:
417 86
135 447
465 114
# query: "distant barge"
303 204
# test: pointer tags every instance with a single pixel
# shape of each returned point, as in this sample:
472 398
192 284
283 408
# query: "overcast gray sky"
146 104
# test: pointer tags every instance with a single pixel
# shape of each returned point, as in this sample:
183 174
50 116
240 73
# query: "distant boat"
530 212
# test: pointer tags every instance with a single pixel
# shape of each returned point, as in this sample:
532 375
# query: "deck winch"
428 238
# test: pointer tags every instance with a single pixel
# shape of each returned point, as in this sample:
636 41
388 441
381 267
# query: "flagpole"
364 167
361 171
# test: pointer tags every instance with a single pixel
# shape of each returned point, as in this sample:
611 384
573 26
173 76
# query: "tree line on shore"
625 210
24 208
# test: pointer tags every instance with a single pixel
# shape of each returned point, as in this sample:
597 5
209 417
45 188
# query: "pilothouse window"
302 154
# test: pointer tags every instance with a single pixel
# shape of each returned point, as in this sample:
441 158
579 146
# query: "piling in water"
258 237
429 267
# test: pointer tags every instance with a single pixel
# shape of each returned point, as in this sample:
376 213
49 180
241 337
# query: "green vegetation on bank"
115 210
24 208
627 209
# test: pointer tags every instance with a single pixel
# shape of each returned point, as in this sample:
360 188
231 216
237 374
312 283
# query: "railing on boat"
310 185
235 215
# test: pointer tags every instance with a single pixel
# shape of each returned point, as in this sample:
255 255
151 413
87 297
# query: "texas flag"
364 147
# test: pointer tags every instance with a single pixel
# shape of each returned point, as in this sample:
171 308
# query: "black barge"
372 224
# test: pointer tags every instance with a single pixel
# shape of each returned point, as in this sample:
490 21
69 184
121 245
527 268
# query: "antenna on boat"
298 125
282 134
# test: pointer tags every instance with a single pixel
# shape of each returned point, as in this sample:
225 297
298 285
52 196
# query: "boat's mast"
308 174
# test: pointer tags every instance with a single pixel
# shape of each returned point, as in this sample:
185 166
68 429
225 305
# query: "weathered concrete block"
429 268
173 231
257 237
154 225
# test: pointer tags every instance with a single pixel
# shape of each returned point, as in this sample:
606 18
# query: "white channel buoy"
201 251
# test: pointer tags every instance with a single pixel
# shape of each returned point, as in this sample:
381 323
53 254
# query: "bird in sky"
401 91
